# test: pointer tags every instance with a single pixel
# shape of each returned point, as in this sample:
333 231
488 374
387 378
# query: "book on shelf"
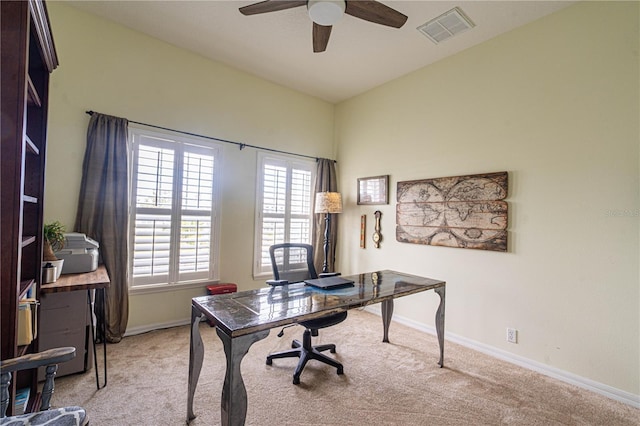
27 320
22 398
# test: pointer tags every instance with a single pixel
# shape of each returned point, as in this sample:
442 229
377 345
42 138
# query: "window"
283 212
174 221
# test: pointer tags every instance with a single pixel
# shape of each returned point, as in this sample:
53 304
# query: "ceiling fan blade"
376 12
270 6
321 35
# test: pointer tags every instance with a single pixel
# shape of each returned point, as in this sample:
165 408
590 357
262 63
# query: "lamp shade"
328 202
326 12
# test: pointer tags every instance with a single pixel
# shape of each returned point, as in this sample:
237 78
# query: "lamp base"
327 226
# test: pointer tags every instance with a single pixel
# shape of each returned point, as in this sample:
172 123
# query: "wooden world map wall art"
461 211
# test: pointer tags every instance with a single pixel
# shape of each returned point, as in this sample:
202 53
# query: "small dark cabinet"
64 321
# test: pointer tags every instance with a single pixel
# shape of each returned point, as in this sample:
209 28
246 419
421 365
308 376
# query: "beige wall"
555 104
110 69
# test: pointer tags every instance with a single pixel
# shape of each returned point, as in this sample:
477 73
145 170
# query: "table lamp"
327 203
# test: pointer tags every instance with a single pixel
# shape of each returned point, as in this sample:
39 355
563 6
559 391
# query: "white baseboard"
132 331
565 376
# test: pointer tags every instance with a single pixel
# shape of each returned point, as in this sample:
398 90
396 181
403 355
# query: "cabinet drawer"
75 338
69 299
63 312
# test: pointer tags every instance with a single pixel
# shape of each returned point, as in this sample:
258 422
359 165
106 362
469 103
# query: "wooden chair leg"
47 388
5 379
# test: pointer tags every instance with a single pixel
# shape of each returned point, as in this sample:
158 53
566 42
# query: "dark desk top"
72 282
247 312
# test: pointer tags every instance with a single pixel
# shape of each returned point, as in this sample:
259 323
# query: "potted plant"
53 240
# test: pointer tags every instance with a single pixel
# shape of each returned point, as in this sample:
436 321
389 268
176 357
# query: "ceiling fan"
325 13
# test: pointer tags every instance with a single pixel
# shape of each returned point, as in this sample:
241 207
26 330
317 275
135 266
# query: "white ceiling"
276 46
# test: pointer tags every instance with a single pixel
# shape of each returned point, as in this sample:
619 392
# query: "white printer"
80 253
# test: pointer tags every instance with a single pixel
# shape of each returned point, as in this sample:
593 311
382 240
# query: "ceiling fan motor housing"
326 12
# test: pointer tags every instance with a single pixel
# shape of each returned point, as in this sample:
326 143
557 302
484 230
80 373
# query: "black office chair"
293 262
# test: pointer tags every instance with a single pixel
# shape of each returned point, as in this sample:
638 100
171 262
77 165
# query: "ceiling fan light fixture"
326 12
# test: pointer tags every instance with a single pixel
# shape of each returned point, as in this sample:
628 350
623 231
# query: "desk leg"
103 308
90 301
387 313
93 336
234 394
196 355
440 323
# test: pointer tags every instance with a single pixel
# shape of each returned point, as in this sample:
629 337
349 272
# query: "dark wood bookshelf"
28 57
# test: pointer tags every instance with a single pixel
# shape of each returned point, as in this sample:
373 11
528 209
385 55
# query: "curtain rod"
239 144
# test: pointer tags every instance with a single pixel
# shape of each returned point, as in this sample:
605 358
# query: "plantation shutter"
197 203
173 189
285 214
154 195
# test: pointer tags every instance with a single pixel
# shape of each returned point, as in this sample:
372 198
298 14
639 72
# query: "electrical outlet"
512 335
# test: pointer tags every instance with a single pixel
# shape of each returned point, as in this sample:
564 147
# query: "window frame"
180 144
261 271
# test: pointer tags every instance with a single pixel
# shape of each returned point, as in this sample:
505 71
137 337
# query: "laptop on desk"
329 283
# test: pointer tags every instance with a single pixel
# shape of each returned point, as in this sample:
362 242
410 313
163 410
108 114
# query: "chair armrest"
39 359
49 358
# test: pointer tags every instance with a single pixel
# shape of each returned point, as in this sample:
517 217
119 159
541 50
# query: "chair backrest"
292 262
48 358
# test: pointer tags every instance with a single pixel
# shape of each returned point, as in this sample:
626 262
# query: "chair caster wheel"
333 351
296 380
269 361
340 370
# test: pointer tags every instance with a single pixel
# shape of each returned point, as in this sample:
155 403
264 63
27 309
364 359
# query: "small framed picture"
373 190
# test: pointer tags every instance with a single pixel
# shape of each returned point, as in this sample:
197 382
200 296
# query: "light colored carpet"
384 384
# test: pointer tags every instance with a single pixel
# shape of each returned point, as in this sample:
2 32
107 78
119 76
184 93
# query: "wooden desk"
89 281
244 318
72 282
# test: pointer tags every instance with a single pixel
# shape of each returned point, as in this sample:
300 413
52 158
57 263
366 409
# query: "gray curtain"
326 181
103 214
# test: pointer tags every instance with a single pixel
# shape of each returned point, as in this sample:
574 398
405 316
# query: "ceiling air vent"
446 25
